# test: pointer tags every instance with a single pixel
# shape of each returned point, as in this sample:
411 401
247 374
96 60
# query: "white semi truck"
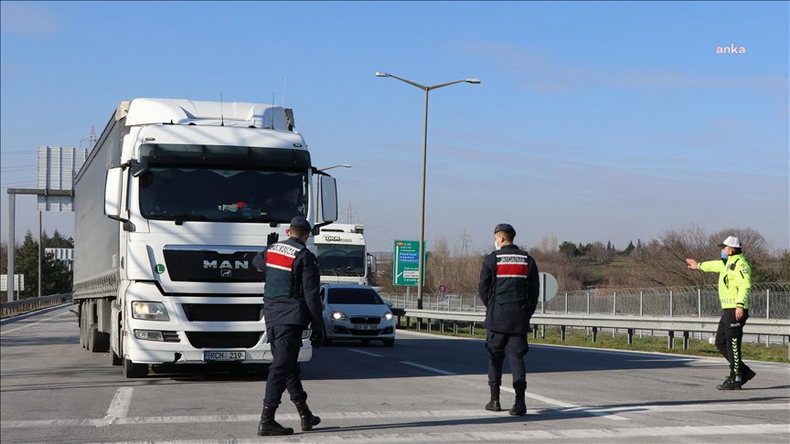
342 255
171 206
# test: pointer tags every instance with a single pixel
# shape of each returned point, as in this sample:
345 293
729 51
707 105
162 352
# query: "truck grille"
211 266
170 336
223 313
224 340
365 320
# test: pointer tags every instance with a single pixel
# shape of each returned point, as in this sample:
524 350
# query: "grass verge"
583 338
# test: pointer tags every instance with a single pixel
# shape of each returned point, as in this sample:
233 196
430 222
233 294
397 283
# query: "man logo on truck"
226 265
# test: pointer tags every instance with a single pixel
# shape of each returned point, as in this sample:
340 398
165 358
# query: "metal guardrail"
767 300
686 325
26 305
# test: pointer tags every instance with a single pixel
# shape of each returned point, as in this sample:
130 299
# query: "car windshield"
212 194
362 296
341 260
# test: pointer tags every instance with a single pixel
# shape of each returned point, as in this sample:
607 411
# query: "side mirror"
113 194
328 198
371 264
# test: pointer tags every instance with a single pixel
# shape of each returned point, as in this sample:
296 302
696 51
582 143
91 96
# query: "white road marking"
35 323
366 353
383 415
430 369
119 407
562 435
569 407
692 408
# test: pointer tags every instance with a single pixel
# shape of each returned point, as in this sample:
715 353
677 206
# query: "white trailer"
342 254
171 206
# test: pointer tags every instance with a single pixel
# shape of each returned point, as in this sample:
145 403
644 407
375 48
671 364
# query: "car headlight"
338 315
149 311
387 316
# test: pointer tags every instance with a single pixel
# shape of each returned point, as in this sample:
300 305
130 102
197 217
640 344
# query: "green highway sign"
405 263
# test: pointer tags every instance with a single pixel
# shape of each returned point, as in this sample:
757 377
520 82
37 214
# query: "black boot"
733 382
493 404
520 406
269 427
748 374
308 419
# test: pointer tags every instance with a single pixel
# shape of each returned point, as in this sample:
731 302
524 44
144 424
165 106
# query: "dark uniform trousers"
285 340
728 340
516 346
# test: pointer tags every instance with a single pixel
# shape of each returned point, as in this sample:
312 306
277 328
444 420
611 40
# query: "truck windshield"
341 260
229 195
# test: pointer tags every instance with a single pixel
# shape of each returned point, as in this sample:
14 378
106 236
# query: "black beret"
300 222
506 228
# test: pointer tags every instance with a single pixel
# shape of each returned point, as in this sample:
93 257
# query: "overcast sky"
593 122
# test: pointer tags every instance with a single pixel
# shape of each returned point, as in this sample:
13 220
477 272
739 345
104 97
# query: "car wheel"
389 342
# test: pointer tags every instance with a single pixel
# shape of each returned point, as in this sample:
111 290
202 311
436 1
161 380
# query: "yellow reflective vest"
735 280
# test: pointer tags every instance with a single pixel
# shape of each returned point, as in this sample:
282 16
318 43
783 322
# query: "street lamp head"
472 81
342 165
382 74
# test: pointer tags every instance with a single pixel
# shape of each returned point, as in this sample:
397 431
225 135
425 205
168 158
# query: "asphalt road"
424 389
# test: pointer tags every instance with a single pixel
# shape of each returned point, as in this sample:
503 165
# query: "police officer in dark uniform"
290 304
509 287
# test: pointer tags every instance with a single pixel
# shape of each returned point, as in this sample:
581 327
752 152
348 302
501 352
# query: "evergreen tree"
56 276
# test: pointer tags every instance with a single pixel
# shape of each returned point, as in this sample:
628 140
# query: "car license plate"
366 327
224 355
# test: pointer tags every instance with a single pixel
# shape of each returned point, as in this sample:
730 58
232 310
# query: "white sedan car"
356 312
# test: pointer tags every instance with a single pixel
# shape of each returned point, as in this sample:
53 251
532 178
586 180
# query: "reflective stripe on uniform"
512 266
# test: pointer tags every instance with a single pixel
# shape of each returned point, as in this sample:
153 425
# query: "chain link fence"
766 300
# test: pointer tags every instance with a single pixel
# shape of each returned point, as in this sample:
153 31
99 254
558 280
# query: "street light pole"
427 89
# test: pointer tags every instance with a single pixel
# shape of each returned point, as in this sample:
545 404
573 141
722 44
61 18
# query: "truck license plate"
224 355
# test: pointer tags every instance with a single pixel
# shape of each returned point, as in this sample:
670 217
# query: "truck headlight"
387 316
149 311
338 315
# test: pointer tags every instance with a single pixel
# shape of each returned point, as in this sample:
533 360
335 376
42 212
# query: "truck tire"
83 336
133 370
114 359
97 341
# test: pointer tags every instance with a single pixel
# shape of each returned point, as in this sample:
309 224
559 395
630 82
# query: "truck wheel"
83 336
84 330
132 370
114 359
90 338
97 341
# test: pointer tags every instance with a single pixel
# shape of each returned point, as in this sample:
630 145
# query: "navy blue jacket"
509 307
303 307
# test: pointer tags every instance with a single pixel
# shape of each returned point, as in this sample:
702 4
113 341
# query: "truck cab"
342 254
191 190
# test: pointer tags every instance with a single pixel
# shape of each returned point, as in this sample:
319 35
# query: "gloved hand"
271 239
316 339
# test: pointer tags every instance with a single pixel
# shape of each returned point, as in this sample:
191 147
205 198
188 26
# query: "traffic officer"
290 304
735 283
509 289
